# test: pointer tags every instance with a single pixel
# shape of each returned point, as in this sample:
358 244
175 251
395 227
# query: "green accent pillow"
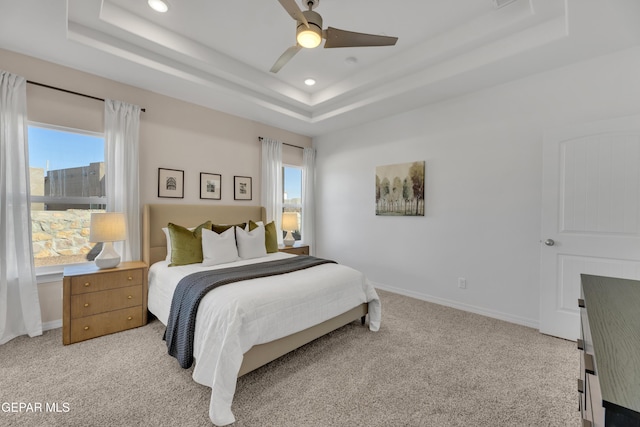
270 236
221 228
186 245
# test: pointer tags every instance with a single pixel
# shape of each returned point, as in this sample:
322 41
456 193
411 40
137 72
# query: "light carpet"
429 365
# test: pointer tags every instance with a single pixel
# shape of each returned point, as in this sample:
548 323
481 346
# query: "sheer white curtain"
122 124
271 196
308 198
19 303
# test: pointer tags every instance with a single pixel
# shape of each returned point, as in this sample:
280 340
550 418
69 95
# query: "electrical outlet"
462 283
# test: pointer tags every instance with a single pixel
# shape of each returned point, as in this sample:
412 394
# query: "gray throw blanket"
192 288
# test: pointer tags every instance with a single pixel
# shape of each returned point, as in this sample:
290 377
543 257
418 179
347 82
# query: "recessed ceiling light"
158 5
309 82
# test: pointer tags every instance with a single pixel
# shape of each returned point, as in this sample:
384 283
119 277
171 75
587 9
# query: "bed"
260 321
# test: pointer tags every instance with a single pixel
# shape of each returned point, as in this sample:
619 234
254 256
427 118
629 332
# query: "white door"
590 214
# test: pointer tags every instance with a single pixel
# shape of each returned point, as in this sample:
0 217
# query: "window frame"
50 273
294 205
297 207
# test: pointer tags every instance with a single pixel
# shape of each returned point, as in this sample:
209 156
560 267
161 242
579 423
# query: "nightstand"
100 302
296 249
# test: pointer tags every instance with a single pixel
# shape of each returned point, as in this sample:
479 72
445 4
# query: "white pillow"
251 243
168 236
218 248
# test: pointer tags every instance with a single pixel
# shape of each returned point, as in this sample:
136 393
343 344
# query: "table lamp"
289 224
107 227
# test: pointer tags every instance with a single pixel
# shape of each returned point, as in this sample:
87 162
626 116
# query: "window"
292 193
67 177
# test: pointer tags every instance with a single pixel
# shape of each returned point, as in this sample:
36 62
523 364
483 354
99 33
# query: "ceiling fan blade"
292 9
342 38
285 57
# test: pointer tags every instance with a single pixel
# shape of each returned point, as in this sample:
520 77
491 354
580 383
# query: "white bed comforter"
233 318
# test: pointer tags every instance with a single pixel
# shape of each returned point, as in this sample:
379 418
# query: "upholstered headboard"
156 216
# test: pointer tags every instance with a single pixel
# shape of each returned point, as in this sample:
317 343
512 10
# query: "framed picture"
242 188
170 183
400 189
210 184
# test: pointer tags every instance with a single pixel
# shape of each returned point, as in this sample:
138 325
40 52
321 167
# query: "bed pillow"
168 237
186 245
270 236
218 248
250 243
221 228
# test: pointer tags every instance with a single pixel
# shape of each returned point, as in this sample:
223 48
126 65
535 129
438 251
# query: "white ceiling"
218 53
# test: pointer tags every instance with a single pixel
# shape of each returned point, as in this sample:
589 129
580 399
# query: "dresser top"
613 309
91 268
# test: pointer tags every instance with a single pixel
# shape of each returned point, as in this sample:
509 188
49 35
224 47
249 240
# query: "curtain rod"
71 92
284 143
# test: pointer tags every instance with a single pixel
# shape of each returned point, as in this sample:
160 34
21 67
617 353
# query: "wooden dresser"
609 345
100 302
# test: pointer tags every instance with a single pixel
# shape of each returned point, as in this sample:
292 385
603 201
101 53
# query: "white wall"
483 160
173 134
483 187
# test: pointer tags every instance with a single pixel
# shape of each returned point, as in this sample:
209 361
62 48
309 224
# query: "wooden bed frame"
154 248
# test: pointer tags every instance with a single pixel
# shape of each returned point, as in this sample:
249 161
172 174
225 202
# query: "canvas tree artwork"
400 189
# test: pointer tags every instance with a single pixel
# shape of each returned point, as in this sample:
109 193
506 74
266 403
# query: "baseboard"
54 324
531 323
45 327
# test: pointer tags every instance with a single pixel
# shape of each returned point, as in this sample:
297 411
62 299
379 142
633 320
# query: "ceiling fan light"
158 5
309 37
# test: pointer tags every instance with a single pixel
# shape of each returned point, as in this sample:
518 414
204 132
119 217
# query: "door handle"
549 242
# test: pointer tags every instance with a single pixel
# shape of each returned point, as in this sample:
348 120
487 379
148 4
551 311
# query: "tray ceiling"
218 54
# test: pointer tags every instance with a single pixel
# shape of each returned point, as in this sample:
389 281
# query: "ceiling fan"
309 33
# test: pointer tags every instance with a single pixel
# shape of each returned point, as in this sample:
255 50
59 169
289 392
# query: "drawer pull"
129 318
87 284
129 278
580 303
86 304
129 297
589 365
86 328
580 344
580 386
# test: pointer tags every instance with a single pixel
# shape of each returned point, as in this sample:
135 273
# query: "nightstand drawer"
106 280
105 323
99 302
296 250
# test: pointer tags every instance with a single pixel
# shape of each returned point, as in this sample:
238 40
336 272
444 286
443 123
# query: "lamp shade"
290 221
289 224
107 227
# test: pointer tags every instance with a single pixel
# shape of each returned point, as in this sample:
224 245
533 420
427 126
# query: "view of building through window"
67 177
67 170
292 193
